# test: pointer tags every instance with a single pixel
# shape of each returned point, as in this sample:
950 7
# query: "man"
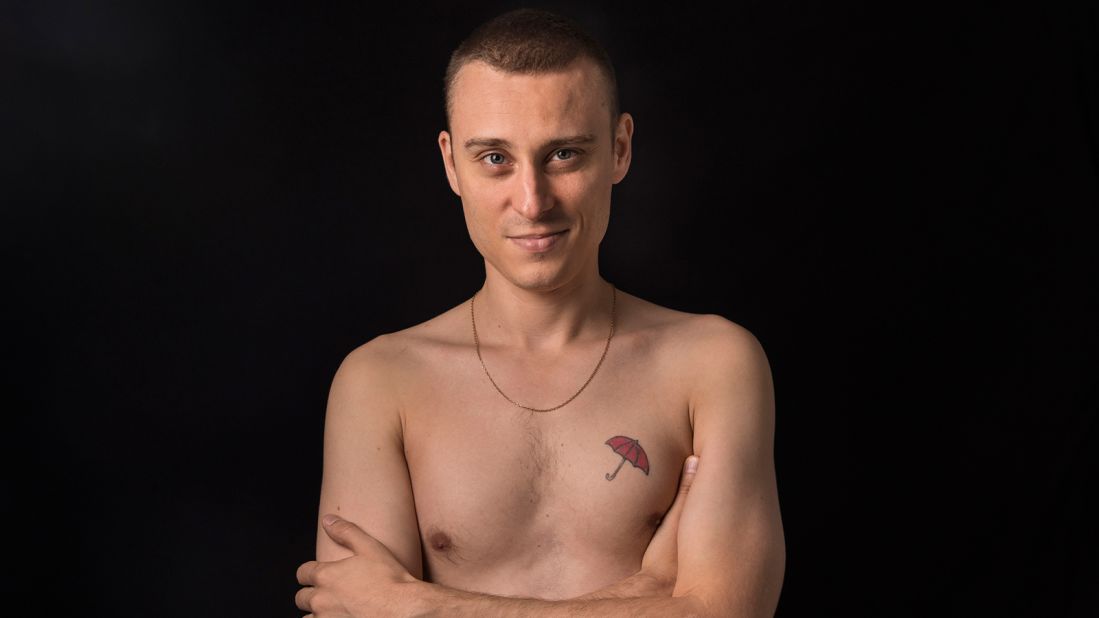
519 454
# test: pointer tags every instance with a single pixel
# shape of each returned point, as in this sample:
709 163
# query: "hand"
370 583
661 557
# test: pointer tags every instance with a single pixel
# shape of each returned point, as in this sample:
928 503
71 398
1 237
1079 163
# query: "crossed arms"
722 554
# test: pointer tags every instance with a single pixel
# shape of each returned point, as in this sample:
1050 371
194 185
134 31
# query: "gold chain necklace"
477 344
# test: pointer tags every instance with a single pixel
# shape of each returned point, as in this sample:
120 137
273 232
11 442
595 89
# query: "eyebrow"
495 142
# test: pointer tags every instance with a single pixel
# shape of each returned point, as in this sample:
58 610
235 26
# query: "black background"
207 205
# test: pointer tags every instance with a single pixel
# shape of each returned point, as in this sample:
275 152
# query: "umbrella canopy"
631 451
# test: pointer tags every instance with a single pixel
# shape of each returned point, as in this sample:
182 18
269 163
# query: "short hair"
530 41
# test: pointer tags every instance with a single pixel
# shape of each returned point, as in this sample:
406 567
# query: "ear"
447 150
623 140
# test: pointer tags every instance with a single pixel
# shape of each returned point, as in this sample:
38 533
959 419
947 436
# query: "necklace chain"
477 344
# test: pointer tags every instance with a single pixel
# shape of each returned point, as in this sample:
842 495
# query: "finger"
303 599
307 573
347 533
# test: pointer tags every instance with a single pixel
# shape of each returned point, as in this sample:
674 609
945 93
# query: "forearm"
640 584
440 601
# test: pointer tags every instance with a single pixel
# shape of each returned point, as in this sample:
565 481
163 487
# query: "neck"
542 320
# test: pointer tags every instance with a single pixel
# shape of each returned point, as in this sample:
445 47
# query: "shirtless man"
454 497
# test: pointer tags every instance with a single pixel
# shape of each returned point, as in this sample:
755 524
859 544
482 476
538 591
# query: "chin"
545 274
538 277
539 284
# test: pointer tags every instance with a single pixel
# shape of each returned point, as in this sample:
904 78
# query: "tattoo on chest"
631 451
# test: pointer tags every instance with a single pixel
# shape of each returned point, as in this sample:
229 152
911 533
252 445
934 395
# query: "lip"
537 243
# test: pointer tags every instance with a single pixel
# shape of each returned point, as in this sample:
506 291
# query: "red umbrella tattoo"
630 450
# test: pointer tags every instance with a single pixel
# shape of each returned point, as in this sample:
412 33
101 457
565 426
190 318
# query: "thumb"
687 476
344 532
690 468
661 555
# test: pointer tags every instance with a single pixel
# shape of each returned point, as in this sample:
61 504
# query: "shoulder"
699 333
705 352
362 387
391 348
367 361
393 361
374 377
727 363
696 340
726 351
716 338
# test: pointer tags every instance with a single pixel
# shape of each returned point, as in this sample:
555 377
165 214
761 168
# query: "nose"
534 197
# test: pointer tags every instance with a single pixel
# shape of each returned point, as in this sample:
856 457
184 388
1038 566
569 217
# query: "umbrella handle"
610 477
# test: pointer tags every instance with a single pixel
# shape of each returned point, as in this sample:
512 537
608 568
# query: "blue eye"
494 154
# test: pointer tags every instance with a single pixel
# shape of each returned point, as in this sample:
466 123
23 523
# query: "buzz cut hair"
530 41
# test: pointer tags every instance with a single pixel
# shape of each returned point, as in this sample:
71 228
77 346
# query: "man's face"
533 154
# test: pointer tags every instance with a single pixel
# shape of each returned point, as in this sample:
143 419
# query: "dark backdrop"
206 205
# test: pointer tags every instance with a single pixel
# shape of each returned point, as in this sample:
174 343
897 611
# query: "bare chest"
561 502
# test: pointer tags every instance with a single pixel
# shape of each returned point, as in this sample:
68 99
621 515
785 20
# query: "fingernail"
692 464
330 519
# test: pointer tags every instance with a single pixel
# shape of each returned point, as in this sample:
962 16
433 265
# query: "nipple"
439 541
441 545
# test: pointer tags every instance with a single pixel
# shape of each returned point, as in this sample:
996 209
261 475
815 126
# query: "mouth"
538 243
